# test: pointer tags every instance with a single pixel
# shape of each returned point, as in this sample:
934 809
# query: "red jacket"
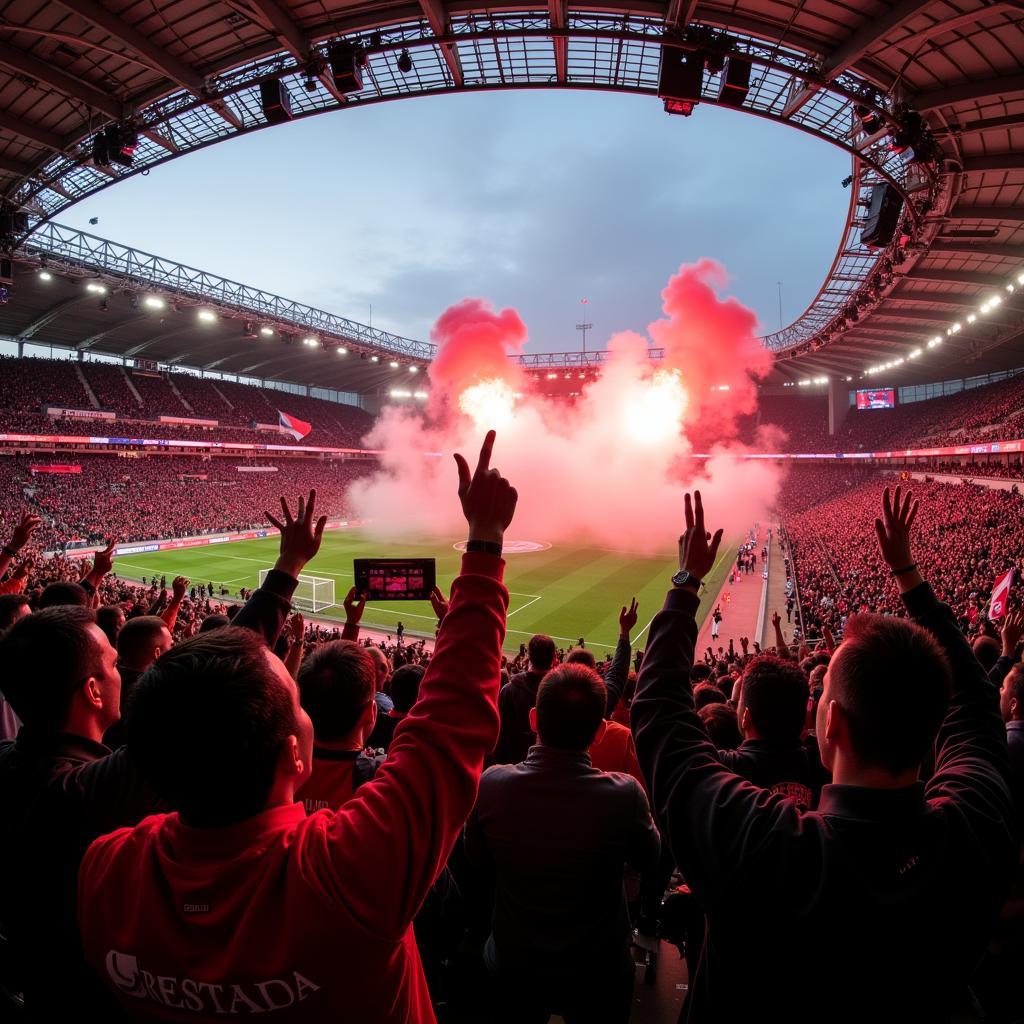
309 916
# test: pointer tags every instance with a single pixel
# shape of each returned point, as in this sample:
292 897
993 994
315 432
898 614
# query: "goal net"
313 594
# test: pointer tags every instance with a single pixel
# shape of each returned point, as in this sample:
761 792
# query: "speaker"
883 217
348 76
276 103
735 81
681 75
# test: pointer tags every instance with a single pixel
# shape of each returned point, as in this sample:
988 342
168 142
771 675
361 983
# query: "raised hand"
1012 631
23 531
776 620
103 561
627 617
488 499
354 605
179 588
300 536
297 628
697 548
439 603
893 529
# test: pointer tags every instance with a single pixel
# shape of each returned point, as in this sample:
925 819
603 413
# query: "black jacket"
556 833
793 770
57 794
874 907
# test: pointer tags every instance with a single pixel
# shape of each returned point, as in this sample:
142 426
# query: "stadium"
163 430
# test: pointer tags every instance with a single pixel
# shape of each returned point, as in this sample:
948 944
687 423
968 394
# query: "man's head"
217 729
110 618
707 693
886 692
405 686
212 622
60 593
986 650
337 683
382 666
141 641
542 652
722 726
581 656
60 673
12 608
1011 695
569 713
772 702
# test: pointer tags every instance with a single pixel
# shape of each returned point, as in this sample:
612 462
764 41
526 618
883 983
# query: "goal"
313 594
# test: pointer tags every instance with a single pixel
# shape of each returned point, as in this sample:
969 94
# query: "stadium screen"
395 579
876 398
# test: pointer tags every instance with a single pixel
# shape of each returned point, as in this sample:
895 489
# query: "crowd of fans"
27 385
209 810
157 496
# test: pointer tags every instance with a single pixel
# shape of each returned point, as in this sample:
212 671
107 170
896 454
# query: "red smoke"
613 467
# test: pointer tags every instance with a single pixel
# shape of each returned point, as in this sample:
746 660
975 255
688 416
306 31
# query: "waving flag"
293 425
1000 593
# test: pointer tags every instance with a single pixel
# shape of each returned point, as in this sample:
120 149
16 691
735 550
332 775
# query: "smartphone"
395 579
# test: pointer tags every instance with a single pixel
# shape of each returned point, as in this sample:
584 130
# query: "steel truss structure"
497 51
121 267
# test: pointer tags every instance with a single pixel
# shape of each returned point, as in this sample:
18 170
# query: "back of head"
212 622
699 673
571 703
110 618
405 686
138 641
775 692
581 656
707 693
207 723
12 608
382 666
542 652
60 593
893 683
986 650
46 657
336 683
722 725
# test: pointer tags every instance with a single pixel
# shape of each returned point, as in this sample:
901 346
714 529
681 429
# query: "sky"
391 212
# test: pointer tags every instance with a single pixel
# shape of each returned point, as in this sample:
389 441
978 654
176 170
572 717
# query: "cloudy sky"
533 200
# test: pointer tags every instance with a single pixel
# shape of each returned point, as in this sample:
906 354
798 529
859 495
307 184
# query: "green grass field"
567 592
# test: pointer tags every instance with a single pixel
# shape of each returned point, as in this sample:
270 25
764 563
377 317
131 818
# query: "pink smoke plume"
609 468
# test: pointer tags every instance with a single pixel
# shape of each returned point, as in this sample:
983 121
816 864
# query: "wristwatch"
685 578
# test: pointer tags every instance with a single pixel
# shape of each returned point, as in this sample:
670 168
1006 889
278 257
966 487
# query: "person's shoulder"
130 841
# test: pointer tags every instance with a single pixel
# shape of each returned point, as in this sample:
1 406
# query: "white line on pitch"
522 606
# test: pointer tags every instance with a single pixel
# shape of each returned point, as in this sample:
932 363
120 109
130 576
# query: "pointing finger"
484 462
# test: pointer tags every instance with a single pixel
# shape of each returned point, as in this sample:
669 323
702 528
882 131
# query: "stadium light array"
374 359
393 365
45 275
341 350
96 288
267 332
421 395
153 302
310 341
207 316
414 369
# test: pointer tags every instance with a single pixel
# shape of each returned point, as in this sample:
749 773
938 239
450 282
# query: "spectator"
516 699
871 868
405 687
300 915
1011 706
721 725
557 833
110 618
142 640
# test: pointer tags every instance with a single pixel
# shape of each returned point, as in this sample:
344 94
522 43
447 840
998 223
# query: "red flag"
1000 595
292 425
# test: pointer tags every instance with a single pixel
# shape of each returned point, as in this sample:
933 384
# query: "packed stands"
26 385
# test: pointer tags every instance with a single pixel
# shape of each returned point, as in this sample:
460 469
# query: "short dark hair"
775 692
405 686
707 693
542 652
107 618
206 724
893 682
212 622
46 657
986 650
722 725
700 672
571 701
581 656
137 638
9 605
60 593
336 682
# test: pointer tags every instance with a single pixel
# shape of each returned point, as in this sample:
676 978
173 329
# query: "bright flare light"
489 404
658 416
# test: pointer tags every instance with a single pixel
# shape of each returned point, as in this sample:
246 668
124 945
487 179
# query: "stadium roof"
188 74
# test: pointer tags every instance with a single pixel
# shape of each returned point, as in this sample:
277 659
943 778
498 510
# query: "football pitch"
566 591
